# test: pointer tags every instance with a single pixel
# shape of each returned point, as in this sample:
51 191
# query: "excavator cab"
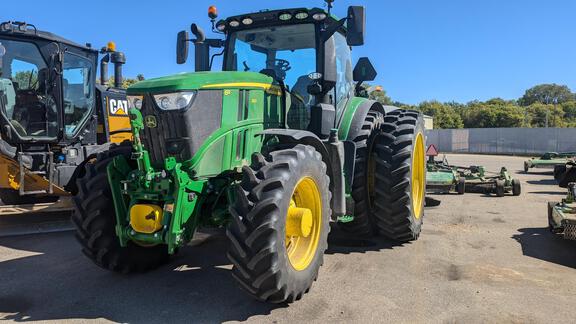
53 114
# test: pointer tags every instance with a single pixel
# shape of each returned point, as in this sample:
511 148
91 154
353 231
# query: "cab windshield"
287 52
25 98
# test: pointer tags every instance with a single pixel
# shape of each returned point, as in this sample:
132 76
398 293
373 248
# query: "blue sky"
445 49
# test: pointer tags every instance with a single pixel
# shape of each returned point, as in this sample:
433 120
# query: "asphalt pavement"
479 259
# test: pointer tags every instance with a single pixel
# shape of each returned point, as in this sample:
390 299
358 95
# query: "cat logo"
150 121
118 107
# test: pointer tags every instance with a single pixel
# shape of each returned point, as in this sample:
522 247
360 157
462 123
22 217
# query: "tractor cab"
306 52
51 107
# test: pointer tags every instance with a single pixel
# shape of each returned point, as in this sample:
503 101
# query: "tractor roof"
273 17
32 33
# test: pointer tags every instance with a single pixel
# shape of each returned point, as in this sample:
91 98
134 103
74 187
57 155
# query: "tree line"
544 105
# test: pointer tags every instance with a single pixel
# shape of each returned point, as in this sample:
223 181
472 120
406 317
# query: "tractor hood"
201 80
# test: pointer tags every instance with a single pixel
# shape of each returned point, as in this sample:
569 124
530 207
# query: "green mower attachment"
549 160
443 178
480 181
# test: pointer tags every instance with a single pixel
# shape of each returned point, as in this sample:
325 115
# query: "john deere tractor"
53 115
275 146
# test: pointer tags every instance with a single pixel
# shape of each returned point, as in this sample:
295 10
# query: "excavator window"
77 85
27 102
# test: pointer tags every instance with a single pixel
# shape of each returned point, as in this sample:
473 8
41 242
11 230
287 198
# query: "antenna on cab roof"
329 3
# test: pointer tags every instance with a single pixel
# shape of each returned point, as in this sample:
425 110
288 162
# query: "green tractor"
275 146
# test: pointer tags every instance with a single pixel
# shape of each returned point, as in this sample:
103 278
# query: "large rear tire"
95 221
400 182
364 169
272 258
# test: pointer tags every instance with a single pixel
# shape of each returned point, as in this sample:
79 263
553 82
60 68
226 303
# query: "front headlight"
174 101
135 102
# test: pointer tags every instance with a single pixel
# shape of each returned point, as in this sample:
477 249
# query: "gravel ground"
479 259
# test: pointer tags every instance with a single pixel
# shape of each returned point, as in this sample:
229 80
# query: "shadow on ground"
543 182
541 244
58 283
561 193
535 172
342 242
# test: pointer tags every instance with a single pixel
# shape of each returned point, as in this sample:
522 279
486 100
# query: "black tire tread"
257 223
392 206
362 225
95 223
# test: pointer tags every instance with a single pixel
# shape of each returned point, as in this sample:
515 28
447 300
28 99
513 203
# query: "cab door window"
26 99
78 90
344 83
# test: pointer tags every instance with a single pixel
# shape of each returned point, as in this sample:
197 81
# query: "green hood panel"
198 80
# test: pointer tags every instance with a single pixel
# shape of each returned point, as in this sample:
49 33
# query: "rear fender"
334 168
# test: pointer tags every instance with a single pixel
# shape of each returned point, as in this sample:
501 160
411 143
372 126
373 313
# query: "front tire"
500 190
400 182
516 187
95 221
273 258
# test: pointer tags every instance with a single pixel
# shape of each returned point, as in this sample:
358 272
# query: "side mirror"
356 25
364 70
182 47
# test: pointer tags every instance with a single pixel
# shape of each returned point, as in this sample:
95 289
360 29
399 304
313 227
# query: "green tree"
569 113
494 113
445 115
547 94
26 79
126 82
381 97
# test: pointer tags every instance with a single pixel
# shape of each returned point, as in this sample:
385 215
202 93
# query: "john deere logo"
150 121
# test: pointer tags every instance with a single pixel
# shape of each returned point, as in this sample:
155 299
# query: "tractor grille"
570 231
180 133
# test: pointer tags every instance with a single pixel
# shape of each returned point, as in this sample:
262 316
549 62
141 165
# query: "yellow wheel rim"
418 175
303 223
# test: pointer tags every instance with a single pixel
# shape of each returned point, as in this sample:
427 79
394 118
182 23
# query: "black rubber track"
362 223
393 213
12 197
257 230
94 219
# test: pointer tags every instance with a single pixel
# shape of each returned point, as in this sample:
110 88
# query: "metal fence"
503 140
